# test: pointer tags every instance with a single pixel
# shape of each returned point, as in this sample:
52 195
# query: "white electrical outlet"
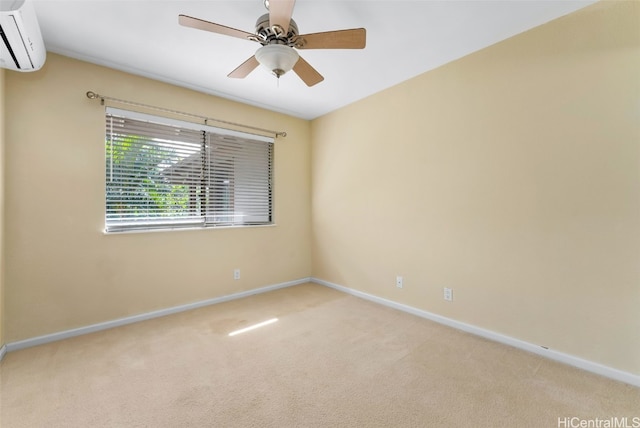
236 274
448 294
399 281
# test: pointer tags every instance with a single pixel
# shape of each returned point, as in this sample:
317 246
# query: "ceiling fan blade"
355 38
280 12
245 68
308 74
200 24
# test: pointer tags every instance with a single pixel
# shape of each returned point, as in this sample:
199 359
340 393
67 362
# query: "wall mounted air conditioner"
21 47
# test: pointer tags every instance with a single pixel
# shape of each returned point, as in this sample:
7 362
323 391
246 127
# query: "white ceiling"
404 39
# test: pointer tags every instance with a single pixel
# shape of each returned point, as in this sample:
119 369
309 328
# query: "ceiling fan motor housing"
267 34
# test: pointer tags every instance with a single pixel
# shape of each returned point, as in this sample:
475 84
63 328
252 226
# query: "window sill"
184 229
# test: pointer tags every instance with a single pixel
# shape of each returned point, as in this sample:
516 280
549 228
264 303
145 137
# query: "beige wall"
511 176
62 272
2 128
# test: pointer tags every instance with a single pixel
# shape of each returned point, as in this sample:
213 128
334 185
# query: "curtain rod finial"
92 95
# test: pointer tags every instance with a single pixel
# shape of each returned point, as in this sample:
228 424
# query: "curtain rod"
92 95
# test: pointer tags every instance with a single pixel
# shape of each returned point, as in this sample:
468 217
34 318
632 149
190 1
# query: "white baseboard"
571 360
34 341
3 350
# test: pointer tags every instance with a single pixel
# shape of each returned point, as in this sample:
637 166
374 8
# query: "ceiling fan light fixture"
279 59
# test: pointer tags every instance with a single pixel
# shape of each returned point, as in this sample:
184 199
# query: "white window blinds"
163 173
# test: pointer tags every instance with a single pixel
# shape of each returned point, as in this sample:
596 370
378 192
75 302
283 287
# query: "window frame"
208 216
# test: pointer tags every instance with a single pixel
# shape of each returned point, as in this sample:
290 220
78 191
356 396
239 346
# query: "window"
163 173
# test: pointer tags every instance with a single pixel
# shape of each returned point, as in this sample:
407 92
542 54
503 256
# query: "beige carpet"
331 360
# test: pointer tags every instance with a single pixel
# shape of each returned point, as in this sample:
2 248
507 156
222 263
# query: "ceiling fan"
278 35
